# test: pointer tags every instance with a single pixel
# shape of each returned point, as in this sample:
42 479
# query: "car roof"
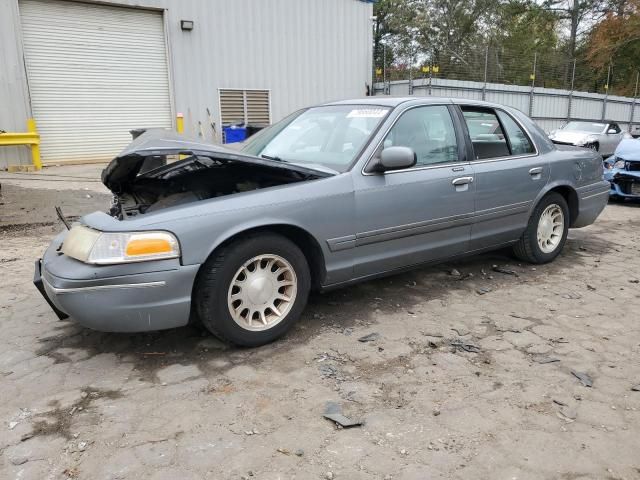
388 101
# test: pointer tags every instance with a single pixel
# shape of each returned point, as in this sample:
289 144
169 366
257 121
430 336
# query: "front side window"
518 140
429 132
614 126
331 136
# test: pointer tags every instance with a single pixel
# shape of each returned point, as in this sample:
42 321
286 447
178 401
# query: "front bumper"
119 298
624 185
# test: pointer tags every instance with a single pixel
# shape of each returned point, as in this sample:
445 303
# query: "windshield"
330 136
584 127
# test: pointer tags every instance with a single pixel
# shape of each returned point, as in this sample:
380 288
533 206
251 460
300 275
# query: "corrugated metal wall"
14 101
549 107
304 51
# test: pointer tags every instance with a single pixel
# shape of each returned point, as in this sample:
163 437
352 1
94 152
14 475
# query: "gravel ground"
471 373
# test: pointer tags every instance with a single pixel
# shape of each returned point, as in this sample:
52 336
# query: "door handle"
535 171
462 181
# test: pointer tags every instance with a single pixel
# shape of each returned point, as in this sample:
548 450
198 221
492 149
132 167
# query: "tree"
616 41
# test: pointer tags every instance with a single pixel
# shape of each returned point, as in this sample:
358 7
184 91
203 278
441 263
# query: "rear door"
411 216
509 175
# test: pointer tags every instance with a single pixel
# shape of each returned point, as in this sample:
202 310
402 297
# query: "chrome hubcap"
262 292
550 228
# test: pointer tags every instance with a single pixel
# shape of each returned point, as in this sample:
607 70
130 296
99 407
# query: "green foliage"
463 37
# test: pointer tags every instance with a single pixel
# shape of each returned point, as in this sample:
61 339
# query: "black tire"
215 277
527 248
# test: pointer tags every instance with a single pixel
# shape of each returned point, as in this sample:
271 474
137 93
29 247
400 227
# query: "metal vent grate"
245 107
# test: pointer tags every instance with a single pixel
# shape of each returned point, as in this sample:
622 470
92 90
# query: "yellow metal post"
180 123
35 147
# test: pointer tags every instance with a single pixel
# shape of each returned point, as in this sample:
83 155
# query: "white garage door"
95 72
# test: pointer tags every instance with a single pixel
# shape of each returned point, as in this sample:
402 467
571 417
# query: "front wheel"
546 232
252 291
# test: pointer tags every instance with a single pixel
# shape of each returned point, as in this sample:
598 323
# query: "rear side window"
486 134
495 134
518 140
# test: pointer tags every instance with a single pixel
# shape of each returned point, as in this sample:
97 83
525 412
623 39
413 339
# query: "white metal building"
89 72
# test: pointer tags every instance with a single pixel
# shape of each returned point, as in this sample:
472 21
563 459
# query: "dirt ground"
468 375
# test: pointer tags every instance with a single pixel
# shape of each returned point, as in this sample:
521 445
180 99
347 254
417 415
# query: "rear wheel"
546 232
252 291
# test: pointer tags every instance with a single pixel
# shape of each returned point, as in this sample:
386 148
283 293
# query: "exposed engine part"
199 179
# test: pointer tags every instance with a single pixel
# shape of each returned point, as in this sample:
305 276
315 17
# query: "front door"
610 140
419 214
509 175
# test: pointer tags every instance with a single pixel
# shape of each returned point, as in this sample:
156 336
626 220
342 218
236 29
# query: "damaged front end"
159 170
622 170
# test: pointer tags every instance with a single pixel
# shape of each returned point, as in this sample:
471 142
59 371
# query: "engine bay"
195 179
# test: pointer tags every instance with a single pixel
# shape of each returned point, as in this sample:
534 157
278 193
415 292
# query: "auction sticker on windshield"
367 113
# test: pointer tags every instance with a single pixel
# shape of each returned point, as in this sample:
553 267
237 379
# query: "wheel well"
571 196
303 239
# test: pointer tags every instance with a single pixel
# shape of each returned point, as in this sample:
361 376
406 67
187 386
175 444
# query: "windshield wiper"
269 157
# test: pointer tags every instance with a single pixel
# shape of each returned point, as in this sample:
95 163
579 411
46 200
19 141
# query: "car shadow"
338 309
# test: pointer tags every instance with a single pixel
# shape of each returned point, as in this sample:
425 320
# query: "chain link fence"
493 65
550 89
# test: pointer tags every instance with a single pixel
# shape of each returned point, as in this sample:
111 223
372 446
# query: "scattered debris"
12 425
634 280
436 413
636 388
7 260
82 446
370 337
463 346
572 296
333 412
461 331
299 452
591 287
284 451
584 378
484 290
71 472
329 476
327 370
559 402
504 271
545 360
568 413
454 273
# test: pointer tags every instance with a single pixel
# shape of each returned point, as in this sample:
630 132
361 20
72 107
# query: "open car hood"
153 144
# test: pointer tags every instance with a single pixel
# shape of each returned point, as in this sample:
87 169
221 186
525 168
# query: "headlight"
104 248
619 164
589 139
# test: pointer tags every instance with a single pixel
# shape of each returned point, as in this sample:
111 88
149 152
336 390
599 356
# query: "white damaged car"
603 137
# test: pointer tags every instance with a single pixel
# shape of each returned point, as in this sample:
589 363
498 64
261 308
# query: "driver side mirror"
395 158
612 131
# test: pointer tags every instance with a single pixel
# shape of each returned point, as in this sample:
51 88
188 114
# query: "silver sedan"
603 137
331 195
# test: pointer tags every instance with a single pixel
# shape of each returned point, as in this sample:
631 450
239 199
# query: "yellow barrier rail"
30 138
